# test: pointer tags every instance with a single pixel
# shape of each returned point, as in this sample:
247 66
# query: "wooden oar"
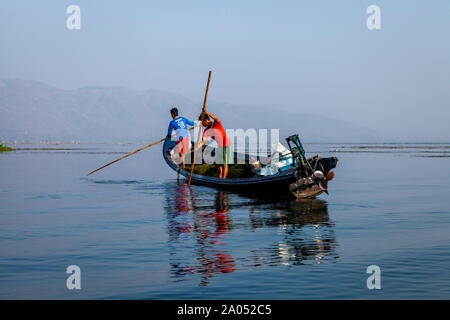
133 153
200 131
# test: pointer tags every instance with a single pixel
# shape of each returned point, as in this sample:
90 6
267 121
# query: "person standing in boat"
179 124
214 130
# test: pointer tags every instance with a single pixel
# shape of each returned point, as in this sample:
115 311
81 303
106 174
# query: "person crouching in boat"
214 130
179 124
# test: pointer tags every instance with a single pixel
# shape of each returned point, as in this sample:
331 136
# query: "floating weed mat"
235 171
5 148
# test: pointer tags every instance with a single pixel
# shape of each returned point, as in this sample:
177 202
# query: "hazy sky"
307 56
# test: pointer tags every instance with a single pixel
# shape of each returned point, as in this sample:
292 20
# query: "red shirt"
215 132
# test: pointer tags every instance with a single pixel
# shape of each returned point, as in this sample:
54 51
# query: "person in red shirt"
224 151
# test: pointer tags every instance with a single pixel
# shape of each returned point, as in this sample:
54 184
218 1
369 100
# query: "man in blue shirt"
179 124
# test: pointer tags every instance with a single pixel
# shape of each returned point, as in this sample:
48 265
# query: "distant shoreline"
364 144
5 148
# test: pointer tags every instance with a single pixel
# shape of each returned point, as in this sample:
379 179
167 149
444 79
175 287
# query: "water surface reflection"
305 230
202 223
199 229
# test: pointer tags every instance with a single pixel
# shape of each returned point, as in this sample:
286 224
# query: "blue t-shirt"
179 124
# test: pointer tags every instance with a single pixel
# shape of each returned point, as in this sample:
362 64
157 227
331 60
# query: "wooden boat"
289 183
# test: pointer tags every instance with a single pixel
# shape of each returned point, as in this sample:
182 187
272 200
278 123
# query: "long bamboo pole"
132 153
200 130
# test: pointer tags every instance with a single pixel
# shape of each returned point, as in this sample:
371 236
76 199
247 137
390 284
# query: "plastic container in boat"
285 163
268 170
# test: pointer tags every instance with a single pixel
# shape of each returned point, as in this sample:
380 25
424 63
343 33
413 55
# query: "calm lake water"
136 233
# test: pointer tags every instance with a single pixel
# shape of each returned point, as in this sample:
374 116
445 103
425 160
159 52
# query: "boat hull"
273 185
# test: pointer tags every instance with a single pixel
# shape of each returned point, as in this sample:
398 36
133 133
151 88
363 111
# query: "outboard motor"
310 182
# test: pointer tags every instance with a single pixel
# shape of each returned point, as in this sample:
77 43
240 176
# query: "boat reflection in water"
207 232
306 233
199 231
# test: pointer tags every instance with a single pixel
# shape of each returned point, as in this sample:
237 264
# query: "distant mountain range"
34 111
